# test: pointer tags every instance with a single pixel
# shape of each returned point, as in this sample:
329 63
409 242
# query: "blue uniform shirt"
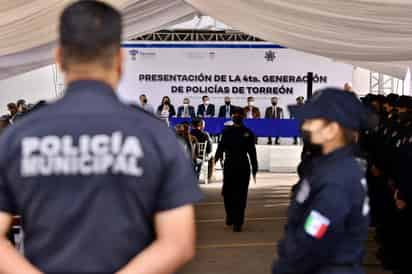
87 174
328 219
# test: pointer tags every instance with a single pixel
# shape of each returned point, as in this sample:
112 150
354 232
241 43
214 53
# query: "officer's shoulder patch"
247 134
304 191
316 225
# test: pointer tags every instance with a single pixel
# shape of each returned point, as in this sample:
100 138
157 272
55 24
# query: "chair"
18 234
203 161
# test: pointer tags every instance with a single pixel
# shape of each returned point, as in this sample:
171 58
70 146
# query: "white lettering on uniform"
132 147
93 155
50 146
68 146
100 144
28 166
116 142
30 145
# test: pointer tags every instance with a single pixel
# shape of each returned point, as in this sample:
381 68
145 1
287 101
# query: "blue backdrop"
260 127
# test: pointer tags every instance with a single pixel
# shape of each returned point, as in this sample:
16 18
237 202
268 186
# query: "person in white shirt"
251 112
144 104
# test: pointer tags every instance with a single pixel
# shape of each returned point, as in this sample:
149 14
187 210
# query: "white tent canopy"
374 34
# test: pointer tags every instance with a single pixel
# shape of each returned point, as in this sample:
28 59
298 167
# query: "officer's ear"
119 62
58 57
332 131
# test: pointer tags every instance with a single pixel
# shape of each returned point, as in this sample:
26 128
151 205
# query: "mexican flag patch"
316 225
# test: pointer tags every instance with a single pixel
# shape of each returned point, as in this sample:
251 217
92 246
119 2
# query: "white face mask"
206 102
251 104
185 104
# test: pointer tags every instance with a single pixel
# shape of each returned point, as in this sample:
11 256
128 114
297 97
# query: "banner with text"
238 70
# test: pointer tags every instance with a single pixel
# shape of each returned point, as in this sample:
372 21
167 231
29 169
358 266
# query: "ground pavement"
220 251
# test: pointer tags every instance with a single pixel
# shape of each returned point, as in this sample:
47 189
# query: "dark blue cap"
334 105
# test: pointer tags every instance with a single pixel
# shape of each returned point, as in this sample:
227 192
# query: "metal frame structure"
198 36
384 84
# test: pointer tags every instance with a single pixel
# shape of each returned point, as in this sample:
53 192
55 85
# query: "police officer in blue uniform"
329 214
100 187
238 151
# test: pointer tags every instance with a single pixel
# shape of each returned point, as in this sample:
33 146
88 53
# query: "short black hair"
204 97
11 105
197 122
21 102
90 32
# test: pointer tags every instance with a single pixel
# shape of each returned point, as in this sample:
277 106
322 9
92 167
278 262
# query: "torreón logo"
88 155
270 56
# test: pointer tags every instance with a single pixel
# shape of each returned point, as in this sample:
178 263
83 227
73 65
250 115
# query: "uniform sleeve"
7 203
315 235
179 186
220 148
6 200
252 154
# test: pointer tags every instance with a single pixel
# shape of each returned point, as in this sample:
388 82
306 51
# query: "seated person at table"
251 112
299 101
186 111
144 104
274 112
206 110
198 131
166 110
227 109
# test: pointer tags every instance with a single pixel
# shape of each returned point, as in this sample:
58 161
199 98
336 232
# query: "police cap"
334 105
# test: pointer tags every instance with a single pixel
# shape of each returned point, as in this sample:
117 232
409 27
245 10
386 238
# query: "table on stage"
260 127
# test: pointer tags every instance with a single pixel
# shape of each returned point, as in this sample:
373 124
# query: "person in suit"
206 110
251 112
226 111
274 112
186 111
299 101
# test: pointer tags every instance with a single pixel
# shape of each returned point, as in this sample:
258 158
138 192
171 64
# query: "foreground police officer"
101 187
236 144
328 218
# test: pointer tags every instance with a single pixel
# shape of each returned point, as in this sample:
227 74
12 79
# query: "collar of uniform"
337 154
90 86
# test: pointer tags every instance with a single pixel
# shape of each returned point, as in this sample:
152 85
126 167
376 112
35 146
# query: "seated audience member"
4 122
274 112
184 140
166 110
12 107
144 104
251 112
206 110
202 137
21 106
186 110
227 109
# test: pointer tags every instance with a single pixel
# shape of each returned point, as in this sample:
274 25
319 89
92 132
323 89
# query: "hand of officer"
400 204
375 171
